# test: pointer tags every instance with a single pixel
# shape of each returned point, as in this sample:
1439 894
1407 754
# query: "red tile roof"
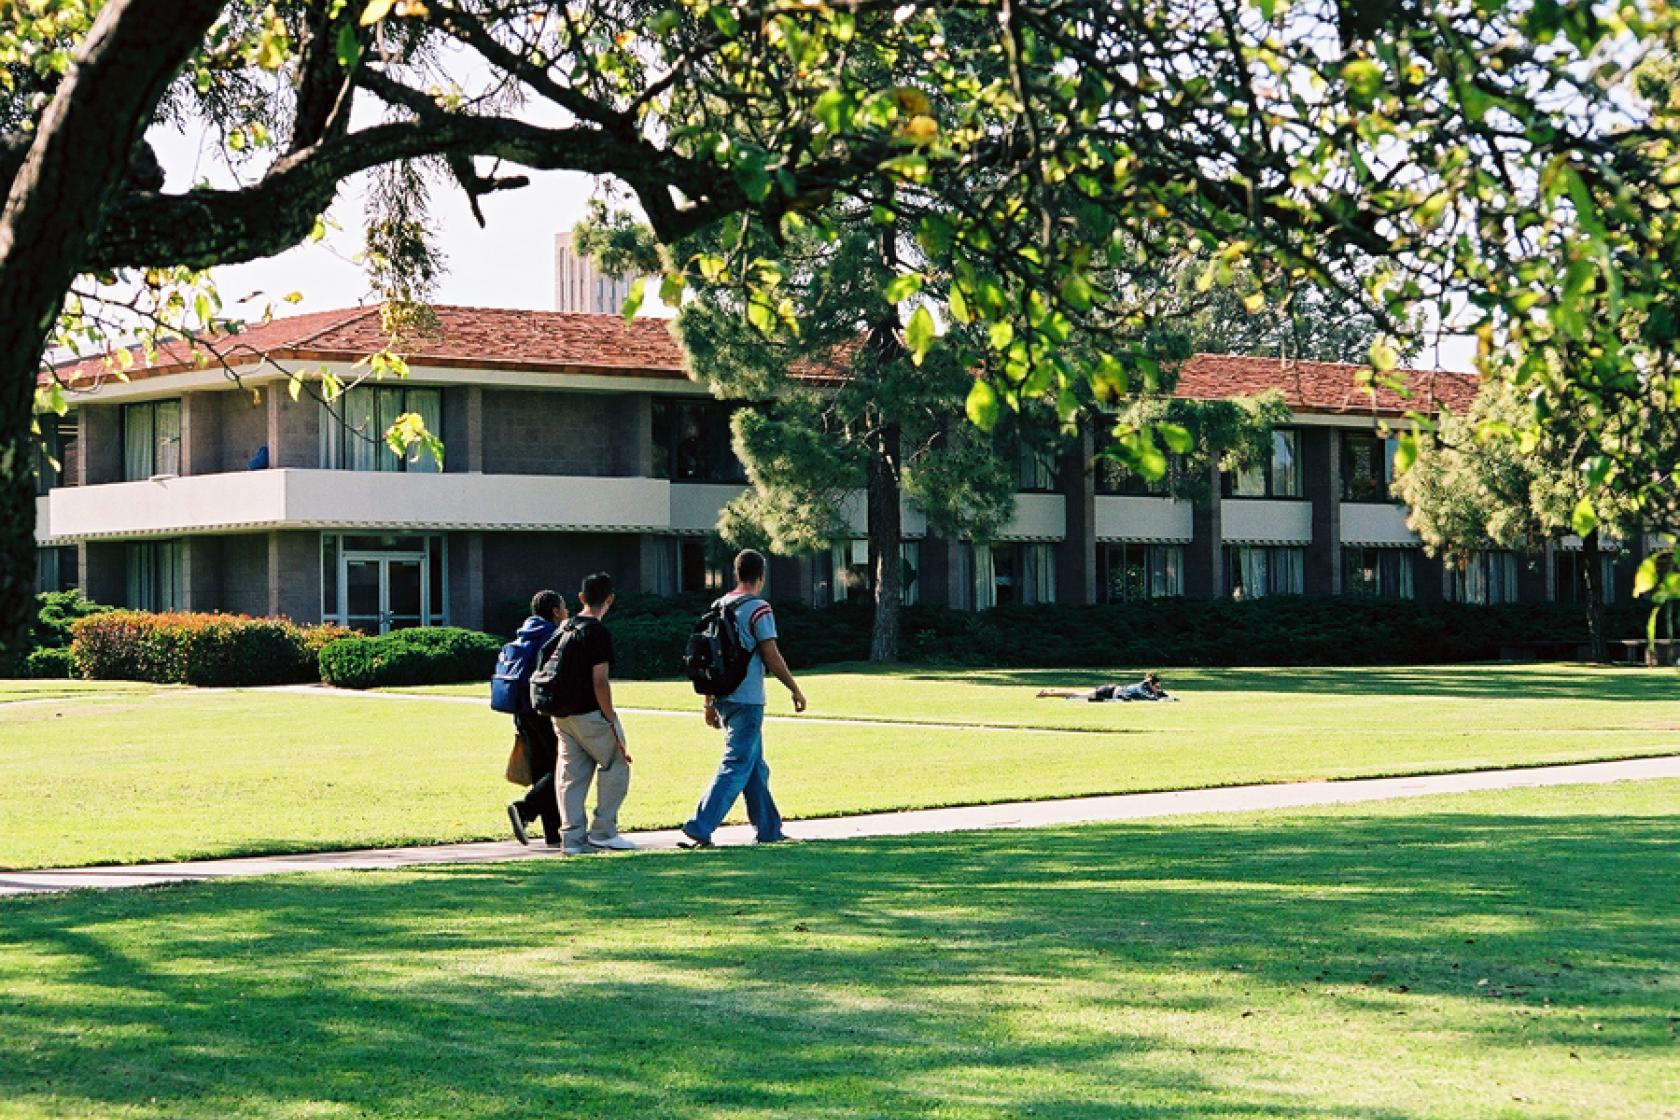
556 342
1323 387
464 337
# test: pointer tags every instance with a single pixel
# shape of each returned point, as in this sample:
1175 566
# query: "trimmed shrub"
56 612
426 655
1171 632
208 650
52 663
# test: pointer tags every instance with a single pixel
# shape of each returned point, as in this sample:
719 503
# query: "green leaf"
903 286
633 301
349 47
1405 452
724 20
1585 519
1364 79
982 406
960 311
671 289
920 334
1176 436
1645 579
1384 356
751 174
1001 334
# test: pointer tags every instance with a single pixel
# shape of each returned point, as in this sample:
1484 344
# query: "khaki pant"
589 748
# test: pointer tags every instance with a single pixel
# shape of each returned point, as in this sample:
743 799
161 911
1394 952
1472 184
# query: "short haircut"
597 589
544 602
749 566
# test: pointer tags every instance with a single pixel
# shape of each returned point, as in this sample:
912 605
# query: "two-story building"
574 442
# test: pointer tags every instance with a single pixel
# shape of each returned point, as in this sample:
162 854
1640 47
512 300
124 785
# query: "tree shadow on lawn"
1494 681
885 978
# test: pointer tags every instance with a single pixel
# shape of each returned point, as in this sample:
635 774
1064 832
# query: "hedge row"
433 655
1271 631
212 650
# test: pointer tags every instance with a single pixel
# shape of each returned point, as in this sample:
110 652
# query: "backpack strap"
748 641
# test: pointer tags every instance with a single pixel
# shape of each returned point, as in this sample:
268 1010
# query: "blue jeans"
743 773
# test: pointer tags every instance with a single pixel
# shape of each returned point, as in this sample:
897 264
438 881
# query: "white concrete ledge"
1377 523
1124 517
323 499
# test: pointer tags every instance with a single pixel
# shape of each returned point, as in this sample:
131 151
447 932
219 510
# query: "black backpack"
545 681
716 659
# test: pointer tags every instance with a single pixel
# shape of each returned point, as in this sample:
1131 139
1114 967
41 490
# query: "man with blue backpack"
510 692
731 647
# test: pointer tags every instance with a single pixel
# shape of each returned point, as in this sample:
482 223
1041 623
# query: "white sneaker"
577 850
613 844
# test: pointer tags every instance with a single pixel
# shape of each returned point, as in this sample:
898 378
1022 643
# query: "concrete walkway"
1029 814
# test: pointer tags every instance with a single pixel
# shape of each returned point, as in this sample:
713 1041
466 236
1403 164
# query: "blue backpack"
510 686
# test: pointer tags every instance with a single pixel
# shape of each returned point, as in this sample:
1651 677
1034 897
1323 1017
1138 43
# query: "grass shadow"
966 975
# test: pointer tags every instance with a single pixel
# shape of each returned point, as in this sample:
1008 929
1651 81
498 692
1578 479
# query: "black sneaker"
691 842
518 823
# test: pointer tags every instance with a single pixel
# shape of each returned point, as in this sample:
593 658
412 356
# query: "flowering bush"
198 649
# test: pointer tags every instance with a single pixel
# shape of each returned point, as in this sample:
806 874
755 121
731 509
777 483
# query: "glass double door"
385 591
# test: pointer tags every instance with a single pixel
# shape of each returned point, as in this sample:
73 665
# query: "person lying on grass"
1149 688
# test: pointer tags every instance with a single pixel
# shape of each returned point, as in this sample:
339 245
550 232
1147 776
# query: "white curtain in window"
985 578
1166 571
1289 571
1253 565
171 569
1403 564
139 442
1039 584
166 423
390 407
428 405
138 573
362 441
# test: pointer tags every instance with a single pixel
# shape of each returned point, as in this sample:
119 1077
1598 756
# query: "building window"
1038 573
55 568
1254 571
692 442
996 575
1570 584
151 439
1378 573
1367 467
1483 577
353 428
1133 572
155 577
1280 477
696 571
376 584
1037 470
55 452
910 572
1113 477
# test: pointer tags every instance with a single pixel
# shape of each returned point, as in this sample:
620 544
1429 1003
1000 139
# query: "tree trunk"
885 533
1595 599
78 161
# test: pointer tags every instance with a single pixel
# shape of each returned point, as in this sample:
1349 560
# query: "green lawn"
176 773
1493 955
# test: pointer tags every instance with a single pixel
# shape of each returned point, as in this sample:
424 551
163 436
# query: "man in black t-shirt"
592 744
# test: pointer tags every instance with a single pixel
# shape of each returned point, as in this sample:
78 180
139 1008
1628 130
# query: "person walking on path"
542 745
740 715
592 743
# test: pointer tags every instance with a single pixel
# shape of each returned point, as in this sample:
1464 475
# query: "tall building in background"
578 287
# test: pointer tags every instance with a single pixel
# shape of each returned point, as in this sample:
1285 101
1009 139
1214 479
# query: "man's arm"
778 667
603 697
